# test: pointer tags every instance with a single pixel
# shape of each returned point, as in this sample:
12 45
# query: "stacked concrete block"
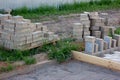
117 37
19 33
89 45
105 45
97 34
105 16
84 19
114 43
96 48
109 41
100 43
78 31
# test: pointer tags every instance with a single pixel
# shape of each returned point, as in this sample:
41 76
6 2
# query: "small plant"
61 51
29 60
117 31
7 68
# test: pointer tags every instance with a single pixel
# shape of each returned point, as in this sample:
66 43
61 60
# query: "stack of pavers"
84 19
19 33
78 31
96 24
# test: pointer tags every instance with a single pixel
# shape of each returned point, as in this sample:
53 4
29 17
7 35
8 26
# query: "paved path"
73 70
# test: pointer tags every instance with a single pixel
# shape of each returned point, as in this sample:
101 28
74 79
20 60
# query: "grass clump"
61 51
29 60
16 55
62 9
117 31
7 68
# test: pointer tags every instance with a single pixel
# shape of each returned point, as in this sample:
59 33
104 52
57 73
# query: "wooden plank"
96 60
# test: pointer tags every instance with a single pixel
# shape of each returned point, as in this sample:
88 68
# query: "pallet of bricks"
19 33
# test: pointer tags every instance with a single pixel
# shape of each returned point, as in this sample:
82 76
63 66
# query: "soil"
62 25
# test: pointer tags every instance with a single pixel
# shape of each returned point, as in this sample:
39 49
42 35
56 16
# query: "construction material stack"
84 19
19 33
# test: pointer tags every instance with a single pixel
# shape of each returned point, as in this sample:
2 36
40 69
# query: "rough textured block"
100 43
95 28
108 40
89 44
117 37
105 45
114 43
17 18
84 17
97 34
96 48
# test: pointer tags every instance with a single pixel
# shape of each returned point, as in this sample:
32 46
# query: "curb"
26 69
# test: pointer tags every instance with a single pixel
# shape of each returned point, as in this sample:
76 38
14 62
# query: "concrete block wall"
19 33
95 45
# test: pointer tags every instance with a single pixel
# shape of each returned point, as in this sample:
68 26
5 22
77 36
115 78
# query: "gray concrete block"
117 37
89 44
108 40
97 34
17 18
100 43
114 43
95 48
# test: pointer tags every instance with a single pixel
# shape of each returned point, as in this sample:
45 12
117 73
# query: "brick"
96 48
77 26
100 43
89 45
4 16
32 26
105 45
26 20
84 17
117 37
95 28
94 15
20 25
97 34
17 18
38 26
114 43
44 28
108 40
37 34
5 36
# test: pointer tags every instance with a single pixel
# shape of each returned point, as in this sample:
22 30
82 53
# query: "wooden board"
96 60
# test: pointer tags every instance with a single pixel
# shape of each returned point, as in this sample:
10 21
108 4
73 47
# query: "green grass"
7 68
16 55
117 31
61 51
67 8
29 60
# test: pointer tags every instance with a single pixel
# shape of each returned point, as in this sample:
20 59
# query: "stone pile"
78 31
84 19
94 45
19 33
94 24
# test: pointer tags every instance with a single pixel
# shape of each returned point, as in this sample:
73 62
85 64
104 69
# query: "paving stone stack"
78 31
19 33
96 23
84 19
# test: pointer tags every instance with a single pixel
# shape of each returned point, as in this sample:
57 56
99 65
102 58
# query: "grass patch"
16 55
67 8
117 31
61 51
7 68
29 60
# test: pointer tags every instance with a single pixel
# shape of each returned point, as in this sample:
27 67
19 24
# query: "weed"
29 60
117 31
61 51
7 68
